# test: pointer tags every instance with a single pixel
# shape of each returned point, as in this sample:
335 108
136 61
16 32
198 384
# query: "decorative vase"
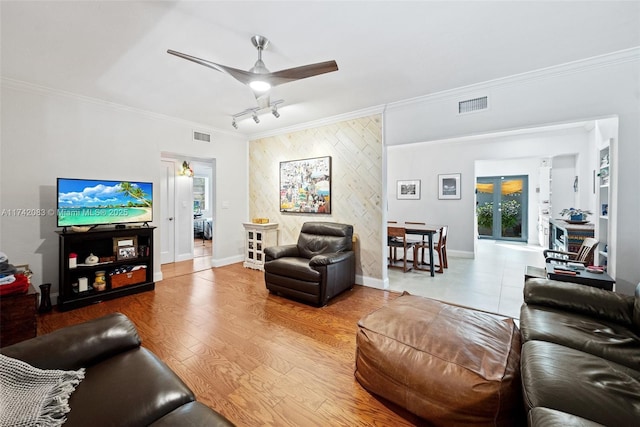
45 298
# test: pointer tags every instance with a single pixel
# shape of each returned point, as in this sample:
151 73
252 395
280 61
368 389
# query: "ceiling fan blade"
242 76
297 73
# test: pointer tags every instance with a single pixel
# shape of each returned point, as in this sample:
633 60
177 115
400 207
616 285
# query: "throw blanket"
34 397
19 285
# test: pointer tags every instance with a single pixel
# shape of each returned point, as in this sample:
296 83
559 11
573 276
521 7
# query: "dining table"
423 230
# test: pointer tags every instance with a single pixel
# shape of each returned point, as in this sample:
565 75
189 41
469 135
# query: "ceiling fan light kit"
259 78
259 85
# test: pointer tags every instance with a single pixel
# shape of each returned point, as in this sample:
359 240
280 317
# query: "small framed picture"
449 186
122 247
409 190
126 252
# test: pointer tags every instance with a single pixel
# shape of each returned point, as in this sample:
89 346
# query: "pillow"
30 396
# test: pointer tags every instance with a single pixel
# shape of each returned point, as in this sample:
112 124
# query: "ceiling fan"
259 78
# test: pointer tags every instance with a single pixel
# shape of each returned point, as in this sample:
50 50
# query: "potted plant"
575 214
485 215
509 216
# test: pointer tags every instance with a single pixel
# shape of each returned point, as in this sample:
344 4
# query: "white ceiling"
386 51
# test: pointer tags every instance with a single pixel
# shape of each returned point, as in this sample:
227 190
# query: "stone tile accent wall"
355 147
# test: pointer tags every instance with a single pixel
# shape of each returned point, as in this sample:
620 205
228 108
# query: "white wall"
563 172
602 87
46 134
425 161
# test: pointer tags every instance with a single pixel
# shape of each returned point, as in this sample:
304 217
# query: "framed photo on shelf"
408 190
125 247
126 252
449 186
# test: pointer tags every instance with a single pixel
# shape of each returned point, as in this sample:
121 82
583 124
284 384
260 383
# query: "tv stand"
132 267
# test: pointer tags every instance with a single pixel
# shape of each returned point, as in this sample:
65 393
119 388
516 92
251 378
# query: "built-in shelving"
603 202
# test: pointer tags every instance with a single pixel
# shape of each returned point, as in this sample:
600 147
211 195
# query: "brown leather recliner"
320 266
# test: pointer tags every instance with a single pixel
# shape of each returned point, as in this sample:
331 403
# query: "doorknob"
170 218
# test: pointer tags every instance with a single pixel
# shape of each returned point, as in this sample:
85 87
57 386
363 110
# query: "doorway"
202 211
188 216
501 207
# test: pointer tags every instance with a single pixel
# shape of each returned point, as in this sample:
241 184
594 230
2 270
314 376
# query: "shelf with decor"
103 264
603 202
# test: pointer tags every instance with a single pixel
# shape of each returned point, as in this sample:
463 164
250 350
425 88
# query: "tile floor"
493 281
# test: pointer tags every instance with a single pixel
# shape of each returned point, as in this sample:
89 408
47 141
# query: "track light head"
253 112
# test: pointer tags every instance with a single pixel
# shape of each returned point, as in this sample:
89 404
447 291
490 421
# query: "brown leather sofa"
320 266
124 385
580 361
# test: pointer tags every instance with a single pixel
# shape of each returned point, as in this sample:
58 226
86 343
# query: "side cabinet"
258 237
18 321
124 265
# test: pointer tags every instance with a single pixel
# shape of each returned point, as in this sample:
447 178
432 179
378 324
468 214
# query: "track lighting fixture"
253 112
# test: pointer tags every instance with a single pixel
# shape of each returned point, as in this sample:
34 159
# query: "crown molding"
379 109
579 66
37 89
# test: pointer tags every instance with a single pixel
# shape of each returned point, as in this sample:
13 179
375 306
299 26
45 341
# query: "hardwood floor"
202 247
259 359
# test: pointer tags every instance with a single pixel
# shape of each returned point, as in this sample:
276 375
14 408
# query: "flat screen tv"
83 202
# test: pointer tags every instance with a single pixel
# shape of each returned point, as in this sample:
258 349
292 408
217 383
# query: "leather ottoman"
447 364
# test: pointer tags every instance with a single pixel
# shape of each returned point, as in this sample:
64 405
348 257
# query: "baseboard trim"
461 254
372 282
221 262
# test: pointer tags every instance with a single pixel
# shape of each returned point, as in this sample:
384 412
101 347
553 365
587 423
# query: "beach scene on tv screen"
90 202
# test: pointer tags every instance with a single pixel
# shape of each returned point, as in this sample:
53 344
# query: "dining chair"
423 240
389 239
397 239
439 248
583 256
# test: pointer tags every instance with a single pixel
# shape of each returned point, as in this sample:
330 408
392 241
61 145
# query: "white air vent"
201 136
470 105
